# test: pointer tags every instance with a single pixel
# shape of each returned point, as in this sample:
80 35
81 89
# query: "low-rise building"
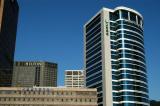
74 78
47 96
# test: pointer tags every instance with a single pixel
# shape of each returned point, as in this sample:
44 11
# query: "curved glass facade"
115 57
129 77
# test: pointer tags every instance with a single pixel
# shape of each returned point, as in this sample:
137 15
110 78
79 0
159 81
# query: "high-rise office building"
34 73
74 78
115 58
8 28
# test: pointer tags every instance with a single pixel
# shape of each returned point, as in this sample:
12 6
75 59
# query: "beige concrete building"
74 78
47 96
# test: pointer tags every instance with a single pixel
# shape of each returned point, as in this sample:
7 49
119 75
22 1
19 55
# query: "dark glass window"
96 85
95 21
132 98
132 104
131 34
111 16
91 44
93 48
132 66
133 93
100 94
132 17
116 98
92 58
116 15
133 43
95 80
100 100
94 32
90 78
129 23
115 83
90 72
100 104
93 39
94 66
99 89
130 28
128 76
93 52
124 14
139 20
115 104
112 24
135 73
131 52
94 61
131 56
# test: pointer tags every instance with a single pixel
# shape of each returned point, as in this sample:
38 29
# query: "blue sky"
52 30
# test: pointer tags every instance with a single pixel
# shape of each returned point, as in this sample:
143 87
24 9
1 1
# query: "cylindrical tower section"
129 66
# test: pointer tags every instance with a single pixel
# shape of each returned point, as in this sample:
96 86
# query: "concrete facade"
47 96
74 78
34 73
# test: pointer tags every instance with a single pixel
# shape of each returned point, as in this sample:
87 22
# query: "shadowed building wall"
8 28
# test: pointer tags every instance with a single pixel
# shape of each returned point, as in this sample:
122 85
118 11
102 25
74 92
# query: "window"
111 16
132 17
90 100
80 100
42 99
124 14
114 16
139 20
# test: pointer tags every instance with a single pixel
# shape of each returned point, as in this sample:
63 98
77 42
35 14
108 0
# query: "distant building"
34 73
74 78
47 96
154 103
8 28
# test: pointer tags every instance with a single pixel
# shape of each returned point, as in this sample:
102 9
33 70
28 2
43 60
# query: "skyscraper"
8 27
34 73
74 78
115 58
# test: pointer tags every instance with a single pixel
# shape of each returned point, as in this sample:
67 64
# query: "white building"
74 78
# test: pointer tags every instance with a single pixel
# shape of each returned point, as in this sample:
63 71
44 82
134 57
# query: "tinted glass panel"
132 16
124 14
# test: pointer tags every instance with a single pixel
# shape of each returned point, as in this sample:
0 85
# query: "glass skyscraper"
115 58
8 27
